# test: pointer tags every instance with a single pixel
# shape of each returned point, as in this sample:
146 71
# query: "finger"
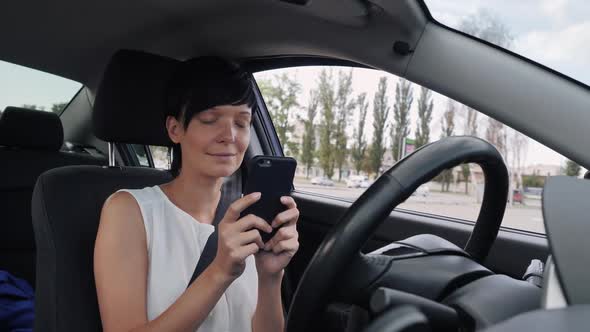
289 202
286 216
251 221
234 210
252 236
290 245
247 250
282 234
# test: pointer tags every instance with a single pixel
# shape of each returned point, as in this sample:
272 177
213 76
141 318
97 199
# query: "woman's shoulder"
130 202
142 197
120 216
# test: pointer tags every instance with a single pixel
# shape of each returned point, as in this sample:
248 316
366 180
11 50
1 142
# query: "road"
525 217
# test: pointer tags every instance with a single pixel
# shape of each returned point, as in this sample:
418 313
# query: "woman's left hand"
279 250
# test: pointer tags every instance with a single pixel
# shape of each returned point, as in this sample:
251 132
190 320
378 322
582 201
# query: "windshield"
29 88
554 33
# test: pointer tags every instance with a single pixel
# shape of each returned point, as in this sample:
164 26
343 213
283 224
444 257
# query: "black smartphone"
272 177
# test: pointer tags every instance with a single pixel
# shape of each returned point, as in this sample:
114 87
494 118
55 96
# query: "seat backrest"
30 143
66 209
67 201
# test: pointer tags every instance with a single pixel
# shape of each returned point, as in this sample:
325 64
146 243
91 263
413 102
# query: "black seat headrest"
30 129
130 101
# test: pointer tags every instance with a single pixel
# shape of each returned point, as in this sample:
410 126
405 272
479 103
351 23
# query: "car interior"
361 266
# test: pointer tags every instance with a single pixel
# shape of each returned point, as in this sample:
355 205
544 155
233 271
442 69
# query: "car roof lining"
182 29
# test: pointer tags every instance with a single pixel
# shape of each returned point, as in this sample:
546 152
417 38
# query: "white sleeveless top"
175 241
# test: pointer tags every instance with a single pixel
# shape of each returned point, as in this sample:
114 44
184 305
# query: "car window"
346 126
160 157
29 88
141 154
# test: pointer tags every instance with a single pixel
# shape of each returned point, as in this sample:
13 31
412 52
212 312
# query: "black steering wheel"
338 265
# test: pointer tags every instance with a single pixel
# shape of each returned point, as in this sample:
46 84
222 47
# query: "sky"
555 33
21 85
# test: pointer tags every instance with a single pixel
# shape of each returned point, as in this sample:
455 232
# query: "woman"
149 240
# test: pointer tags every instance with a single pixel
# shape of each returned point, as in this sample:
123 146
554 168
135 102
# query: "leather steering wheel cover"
366 214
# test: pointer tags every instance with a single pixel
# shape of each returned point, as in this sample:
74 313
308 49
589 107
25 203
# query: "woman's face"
215 140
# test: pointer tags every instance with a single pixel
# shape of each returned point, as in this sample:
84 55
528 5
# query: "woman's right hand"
238 238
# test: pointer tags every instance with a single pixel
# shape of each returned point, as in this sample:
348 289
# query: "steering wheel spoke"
358 280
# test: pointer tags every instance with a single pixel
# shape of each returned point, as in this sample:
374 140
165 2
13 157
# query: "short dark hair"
200 84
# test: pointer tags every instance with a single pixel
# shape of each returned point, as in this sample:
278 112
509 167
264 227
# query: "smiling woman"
34 89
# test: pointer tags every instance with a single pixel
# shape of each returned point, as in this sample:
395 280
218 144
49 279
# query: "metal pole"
111 154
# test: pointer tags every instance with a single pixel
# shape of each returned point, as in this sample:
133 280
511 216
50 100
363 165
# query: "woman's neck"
196 195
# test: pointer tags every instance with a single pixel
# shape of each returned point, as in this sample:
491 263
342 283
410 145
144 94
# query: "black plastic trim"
258 64
263 125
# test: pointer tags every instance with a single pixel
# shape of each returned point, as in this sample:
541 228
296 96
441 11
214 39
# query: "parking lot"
525 216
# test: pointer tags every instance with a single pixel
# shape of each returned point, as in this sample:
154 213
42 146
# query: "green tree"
344 107
497 135
360 143
469 129
534 180
280 94
448 129
380 114
58 107
425 106
488 27
33 107
308 144
448 120
572 168
466 173
401 115
327 102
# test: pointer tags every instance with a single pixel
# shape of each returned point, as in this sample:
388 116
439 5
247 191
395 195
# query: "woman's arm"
120 268
270 265
268 316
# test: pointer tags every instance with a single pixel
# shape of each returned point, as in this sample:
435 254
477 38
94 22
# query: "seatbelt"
230 192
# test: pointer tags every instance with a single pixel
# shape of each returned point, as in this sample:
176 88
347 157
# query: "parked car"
517 196
366 183
356 181
423 191
322 181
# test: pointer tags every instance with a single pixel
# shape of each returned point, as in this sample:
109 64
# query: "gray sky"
20 85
